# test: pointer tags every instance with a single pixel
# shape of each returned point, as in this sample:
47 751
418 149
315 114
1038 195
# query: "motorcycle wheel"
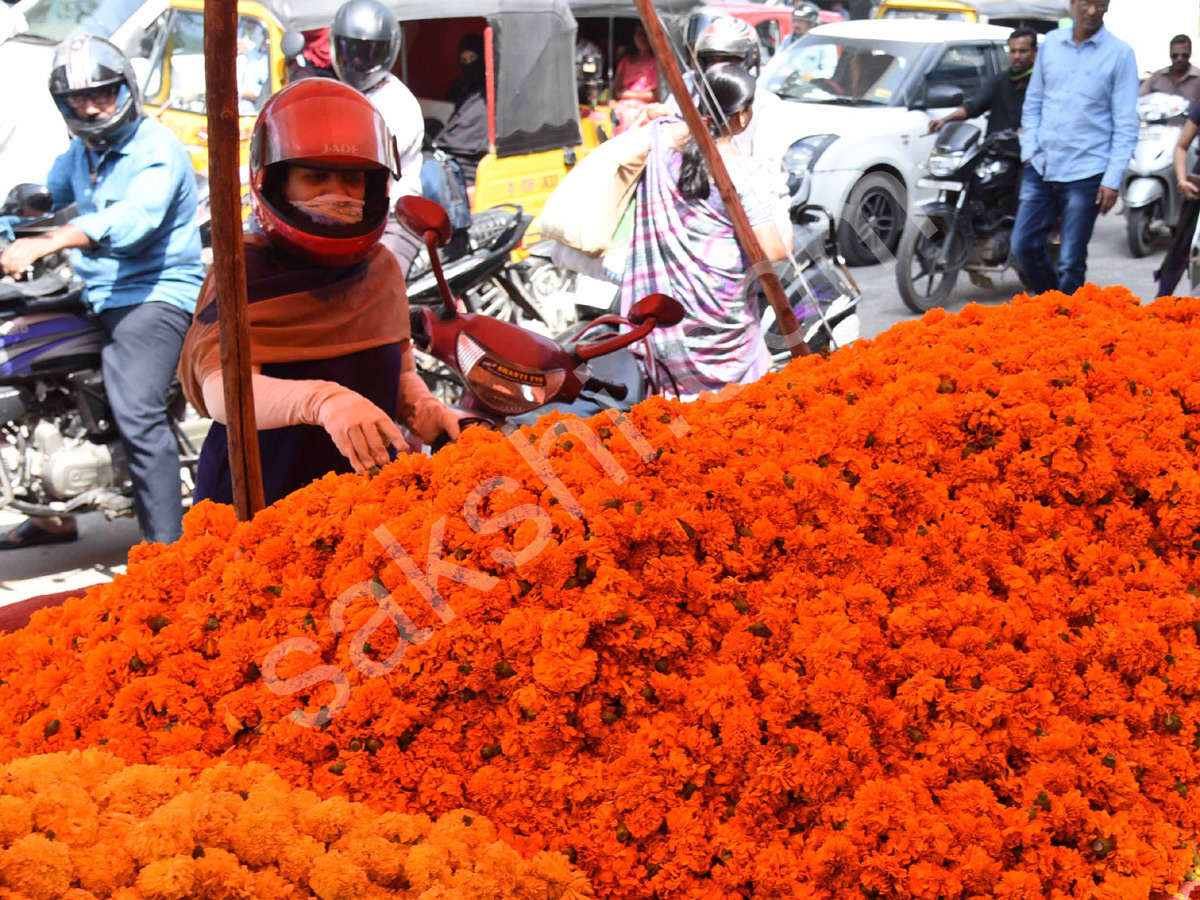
924 286
1137 230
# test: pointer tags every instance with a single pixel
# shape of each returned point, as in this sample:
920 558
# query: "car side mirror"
27 201
941 96
292 44
421 216
666 310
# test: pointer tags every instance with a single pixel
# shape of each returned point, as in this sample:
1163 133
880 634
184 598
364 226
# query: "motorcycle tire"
915 242
1137 230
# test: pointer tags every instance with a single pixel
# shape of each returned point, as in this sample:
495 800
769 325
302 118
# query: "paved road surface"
101 551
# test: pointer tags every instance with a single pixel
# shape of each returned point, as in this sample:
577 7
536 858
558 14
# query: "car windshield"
53 21
844 70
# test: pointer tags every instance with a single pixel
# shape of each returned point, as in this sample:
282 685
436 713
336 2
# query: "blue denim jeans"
1042 202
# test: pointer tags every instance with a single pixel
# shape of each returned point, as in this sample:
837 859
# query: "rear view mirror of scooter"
426 218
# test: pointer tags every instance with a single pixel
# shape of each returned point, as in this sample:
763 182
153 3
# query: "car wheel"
874 212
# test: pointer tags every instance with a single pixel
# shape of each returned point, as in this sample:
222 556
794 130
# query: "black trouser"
141 352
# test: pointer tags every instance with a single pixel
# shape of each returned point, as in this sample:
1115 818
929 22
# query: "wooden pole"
229 261
784 315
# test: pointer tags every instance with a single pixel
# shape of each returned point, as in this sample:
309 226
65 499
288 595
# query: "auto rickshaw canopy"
534 48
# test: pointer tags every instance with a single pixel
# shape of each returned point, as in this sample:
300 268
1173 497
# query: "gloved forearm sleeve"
417 408
278 402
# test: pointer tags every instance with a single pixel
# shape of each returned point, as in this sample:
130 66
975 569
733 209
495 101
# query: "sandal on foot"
27 534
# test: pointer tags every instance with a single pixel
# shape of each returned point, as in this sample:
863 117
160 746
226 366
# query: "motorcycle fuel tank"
33 345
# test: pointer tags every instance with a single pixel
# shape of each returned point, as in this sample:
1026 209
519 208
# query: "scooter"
821 290
1150 194
60 452
510 372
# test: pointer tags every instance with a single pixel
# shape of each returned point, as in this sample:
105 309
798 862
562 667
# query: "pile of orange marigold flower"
84 825
917 620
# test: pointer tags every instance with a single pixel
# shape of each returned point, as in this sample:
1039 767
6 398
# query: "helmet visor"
355 56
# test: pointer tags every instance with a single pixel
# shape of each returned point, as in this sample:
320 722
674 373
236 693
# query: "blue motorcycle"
60 453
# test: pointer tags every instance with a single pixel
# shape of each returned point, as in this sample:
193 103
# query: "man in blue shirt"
1079 130
137 248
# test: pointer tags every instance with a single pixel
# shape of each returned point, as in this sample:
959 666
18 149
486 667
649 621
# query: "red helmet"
321 124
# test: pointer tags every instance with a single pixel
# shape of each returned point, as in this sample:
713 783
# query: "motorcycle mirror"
27 201
666 310
292 44
420 215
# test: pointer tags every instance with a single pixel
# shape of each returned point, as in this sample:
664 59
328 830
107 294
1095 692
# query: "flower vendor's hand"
360 429
447 419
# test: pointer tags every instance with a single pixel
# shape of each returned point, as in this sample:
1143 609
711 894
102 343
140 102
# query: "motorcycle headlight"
992 169
501 385
943 164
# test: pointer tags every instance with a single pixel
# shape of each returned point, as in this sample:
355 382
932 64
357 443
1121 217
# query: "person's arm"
1186 187
1147 86
981 103
23 253
1031 110
619 81
360 430
422 412
127 223
936 125
58 182
1123 103
775 244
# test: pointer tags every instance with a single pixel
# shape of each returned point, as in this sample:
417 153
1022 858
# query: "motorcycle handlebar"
605 346
616 391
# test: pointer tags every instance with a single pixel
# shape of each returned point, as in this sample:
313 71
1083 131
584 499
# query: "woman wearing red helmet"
329 332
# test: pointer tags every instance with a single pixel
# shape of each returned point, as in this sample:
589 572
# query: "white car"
860 96
32 132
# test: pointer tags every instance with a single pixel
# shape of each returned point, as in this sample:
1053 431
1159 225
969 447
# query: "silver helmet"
365 41
728 36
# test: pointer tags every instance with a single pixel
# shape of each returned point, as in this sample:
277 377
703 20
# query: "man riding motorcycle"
136 246
365 40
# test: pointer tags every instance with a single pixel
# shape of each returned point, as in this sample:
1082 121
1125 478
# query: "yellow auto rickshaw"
535 131
1041 15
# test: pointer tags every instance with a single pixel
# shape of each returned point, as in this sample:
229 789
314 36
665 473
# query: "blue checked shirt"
1080 115
142 214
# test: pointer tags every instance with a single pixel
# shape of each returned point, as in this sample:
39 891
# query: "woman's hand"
361 430
1189 189
447 420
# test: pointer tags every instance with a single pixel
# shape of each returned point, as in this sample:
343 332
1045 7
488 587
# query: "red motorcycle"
514 375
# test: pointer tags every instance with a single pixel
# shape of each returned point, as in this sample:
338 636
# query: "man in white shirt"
365 41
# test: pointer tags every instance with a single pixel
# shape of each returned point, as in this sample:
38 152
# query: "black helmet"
87 65
365 40
807 12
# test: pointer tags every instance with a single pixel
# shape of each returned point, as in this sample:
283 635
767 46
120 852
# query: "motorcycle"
969 225
60 452
513 374
819 287
1150 193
